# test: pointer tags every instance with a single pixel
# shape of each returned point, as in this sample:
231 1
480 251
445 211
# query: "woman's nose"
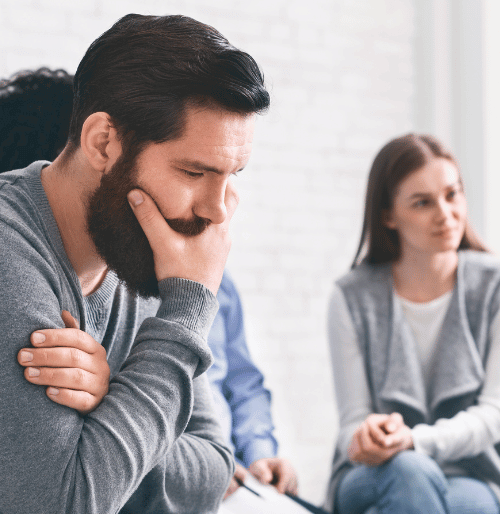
444 210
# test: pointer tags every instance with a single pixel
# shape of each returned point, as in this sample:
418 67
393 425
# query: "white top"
425 320
466 434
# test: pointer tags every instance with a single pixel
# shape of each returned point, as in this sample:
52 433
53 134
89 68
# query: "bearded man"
110 260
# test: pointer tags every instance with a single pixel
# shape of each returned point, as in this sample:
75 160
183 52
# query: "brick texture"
341 75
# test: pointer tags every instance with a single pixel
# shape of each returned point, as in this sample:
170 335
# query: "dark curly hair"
35 113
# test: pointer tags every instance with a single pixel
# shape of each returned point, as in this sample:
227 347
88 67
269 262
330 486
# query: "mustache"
192 227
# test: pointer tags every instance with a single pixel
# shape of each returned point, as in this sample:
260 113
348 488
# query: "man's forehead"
209 124
212 138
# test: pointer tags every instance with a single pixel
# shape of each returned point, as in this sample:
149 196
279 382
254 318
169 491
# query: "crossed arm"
54 460
70 362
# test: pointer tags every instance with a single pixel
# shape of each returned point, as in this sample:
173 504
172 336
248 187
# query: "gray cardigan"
391 363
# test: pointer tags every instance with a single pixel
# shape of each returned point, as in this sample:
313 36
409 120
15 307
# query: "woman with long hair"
414 331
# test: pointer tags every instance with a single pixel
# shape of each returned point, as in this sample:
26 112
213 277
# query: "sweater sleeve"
471 431
54 460
177 484
351 387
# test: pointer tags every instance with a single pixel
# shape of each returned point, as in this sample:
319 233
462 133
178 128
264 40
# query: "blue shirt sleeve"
237 379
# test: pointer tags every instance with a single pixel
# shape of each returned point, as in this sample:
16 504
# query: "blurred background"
345 76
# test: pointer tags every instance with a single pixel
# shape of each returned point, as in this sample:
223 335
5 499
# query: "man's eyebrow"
197 165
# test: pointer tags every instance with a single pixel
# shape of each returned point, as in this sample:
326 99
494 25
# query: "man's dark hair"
35 111
145 70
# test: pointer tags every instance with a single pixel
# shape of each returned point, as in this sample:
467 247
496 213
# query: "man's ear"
99 141
387 219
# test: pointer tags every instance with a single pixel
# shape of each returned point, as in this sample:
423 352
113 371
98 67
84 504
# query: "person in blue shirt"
242 402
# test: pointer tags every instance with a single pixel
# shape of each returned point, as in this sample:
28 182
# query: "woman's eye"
452 194
421 203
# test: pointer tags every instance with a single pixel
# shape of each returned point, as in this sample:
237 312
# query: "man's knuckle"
146 217
75 357
86 402
49 374
80 337
79 377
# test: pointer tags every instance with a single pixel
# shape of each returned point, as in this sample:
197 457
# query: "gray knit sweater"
153 445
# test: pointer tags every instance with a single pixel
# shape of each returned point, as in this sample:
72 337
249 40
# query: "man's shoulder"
18 202
24 226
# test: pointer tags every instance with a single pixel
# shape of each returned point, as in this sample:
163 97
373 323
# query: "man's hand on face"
276 471
70 362
199 258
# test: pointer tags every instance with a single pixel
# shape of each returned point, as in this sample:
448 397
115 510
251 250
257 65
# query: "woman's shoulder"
479 262
364 273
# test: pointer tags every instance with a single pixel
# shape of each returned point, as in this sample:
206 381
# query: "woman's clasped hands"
379 438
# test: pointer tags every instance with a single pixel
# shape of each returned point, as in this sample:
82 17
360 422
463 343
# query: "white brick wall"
341 74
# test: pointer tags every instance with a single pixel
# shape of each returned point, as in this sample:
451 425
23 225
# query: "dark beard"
118 236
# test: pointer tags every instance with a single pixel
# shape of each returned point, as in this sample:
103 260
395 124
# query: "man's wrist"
189 303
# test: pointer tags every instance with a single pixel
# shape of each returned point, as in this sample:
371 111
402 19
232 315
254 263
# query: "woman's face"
429 209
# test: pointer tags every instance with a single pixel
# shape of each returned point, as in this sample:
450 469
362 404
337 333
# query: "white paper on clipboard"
270 501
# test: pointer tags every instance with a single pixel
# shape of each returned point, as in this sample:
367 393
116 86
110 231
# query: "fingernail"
37 338
135 198
52 391
33 372
26 356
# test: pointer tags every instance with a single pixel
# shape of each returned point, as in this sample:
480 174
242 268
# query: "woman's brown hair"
395 161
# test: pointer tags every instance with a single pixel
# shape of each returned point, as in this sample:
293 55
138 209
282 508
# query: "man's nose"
212 205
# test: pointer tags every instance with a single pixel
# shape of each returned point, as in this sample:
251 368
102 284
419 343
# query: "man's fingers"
261 471
276 471
152 222
69 320
292 486
61 357
70 378
68 337
285 477
81 401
